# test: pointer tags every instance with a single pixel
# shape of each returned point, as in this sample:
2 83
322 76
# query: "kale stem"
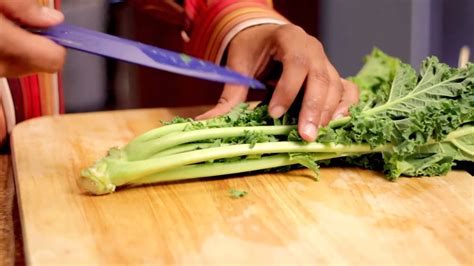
227 168
339 122
141 151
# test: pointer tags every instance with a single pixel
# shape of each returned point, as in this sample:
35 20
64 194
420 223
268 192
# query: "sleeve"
211 25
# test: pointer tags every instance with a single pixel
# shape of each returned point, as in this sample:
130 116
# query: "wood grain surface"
7 193
351 216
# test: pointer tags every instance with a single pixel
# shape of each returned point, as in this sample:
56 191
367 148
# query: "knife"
99 43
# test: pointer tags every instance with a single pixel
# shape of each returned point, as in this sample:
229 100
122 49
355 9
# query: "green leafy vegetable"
236 193
406 124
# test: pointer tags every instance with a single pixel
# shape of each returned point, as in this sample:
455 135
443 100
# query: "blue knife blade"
99 43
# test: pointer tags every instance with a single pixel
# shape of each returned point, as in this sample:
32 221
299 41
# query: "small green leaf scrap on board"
237 193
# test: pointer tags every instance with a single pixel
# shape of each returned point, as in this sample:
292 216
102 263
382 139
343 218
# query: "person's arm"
253 34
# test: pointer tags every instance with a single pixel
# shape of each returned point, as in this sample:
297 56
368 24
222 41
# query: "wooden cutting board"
351 216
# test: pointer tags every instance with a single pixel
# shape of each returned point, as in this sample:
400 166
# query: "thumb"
30 13
232 94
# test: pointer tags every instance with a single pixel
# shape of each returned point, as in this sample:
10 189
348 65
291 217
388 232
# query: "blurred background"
408 29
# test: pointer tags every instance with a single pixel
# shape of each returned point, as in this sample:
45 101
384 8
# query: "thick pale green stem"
227 168
122 172
339 122
110 172
141 151
187 147
158 132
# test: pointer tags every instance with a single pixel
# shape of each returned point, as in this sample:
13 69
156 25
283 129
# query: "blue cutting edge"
135 52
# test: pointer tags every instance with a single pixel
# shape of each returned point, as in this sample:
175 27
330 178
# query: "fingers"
326 95
303 58
333 97
313 100
23 53
292 52
316 105
30 13
349 98
292 78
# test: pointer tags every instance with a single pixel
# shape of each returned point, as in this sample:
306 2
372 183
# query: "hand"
305 64
22 52
3 125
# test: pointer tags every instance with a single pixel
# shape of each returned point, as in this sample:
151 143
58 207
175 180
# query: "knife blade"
107 45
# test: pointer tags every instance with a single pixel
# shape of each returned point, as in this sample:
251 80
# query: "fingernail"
309 130
277 111
52 14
